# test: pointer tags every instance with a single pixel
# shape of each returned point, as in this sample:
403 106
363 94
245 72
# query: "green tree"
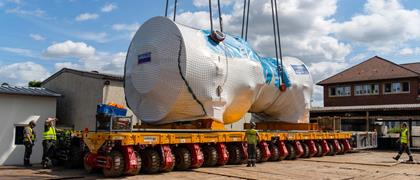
34 83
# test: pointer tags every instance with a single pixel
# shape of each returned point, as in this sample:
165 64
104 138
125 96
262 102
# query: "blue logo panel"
300 69
143 58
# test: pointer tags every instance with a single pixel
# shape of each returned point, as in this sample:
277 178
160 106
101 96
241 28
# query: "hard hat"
32 123
404 124
50 119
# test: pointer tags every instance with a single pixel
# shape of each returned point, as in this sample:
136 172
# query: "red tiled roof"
375 68
413 66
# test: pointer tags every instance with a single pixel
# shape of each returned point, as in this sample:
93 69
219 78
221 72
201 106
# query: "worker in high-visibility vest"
49 141
404 139
29 141
252 138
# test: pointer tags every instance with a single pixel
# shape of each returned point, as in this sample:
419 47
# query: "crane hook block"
217 36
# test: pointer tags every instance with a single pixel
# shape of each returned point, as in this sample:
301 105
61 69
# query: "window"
19 134
340 91
366 89
396 87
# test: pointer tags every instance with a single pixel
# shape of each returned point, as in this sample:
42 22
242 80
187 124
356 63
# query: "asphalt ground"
360 165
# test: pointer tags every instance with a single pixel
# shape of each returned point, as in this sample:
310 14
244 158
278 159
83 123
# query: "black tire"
319 149
117 165
341 148
75 158
136 171
275 153
305 148
332 150
210 156
235 155
258 155
150 161
292 152
182 159
173 164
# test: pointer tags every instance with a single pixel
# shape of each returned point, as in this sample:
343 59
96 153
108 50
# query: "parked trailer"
130 152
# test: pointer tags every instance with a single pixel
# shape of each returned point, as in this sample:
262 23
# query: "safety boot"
249 164
396 157
26 163
410 159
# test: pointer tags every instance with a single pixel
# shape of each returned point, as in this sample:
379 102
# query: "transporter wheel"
341 148
319 149
292 152
75 158
88 168
173 164
275 153
133 172
210 156
258 155
235 156
117 165
305 150
332 150
150 161
182 158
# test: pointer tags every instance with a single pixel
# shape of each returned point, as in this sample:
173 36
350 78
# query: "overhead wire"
211 15
247 18
243 20
166 8
279 43
275 37
220 16
176 2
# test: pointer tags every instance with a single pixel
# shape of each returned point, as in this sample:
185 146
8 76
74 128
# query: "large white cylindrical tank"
177 73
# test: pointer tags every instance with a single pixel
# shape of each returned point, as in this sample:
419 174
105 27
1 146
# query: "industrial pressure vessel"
177 73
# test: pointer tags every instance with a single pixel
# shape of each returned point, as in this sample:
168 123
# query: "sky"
39 37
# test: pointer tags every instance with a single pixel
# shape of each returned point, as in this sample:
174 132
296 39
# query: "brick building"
375 81
376 94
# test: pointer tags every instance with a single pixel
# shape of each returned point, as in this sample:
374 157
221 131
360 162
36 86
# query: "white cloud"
126 27
205 3
21 73
62 65
86 16
69 48
87 57
21 12
19 51
109 7
37 37
385 25
410 51
100 37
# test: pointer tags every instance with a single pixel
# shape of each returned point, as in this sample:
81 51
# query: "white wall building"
81 92
18 106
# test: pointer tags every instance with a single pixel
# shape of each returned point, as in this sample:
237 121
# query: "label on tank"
300 69
143 58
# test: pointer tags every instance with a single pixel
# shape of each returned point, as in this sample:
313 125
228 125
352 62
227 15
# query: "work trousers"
404 147
48 150
252 153
28 152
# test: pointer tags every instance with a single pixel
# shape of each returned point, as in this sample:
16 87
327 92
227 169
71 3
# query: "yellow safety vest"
31 132
404 136
251 136
50 134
